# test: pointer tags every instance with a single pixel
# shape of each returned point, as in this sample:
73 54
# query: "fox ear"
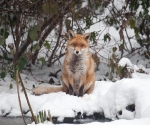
87 36
71 34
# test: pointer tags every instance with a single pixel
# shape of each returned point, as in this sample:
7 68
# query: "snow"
88 103
84 4
126 92
143 121
119 4
108 98
149 11
125 61
139 10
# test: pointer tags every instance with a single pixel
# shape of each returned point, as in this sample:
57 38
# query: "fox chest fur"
77 69
77 65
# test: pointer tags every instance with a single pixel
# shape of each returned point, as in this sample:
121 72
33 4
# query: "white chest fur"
77 65
77 69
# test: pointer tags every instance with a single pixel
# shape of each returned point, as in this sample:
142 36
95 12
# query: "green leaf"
21 65
46 8
10 86
36 47
12 74
132 23
114 49
5 56
54 7
119 70
3 74
42 59
136 30
6 35
2 41
47 45
68 22
23 59
37 28
50 8
22 62
33 34
93 37
107 36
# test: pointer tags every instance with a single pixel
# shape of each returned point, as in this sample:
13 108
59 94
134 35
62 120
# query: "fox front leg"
71 92
81 91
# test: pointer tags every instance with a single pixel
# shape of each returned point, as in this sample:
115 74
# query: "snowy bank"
144 121
111 99
124 93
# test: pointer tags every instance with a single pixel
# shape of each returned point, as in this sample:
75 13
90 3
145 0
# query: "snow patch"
125 62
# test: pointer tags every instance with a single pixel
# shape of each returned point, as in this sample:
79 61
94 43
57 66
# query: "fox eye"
82 45
74 44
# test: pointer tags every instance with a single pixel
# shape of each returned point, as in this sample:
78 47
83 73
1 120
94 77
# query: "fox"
78 75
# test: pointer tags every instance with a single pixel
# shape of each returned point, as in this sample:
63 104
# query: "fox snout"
77 52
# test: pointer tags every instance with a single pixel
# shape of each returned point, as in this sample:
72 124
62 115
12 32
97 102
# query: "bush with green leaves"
40 28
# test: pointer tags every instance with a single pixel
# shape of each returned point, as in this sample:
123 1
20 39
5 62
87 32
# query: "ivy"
33 33
132 23
3 74
50 8
107 37
47 45
36 47
42 59
21 63
93 36
2 41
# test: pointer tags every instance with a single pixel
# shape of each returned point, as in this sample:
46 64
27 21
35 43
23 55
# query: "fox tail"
45 90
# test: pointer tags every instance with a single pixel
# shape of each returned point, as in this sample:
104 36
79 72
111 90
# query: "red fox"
78 76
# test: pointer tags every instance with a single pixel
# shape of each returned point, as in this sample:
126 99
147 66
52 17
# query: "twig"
57 43
57 71
122 49
61 55
27 98
148 55
128 38
42 81
17 83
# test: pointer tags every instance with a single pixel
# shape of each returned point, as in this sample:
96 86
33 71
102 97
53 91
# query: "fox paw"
39 91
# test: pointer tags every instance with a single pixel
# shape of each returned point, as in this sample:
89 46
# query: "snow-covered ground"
111 99
143 121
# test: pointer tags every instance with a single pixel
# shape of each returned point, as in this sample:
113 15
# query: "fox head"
78 44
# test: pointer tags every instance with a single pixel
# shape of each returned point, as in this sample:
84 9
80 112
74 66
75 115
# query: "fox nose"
77 52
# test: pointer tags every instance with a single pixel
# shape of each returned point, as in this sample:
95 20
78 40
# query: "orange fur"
78 75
